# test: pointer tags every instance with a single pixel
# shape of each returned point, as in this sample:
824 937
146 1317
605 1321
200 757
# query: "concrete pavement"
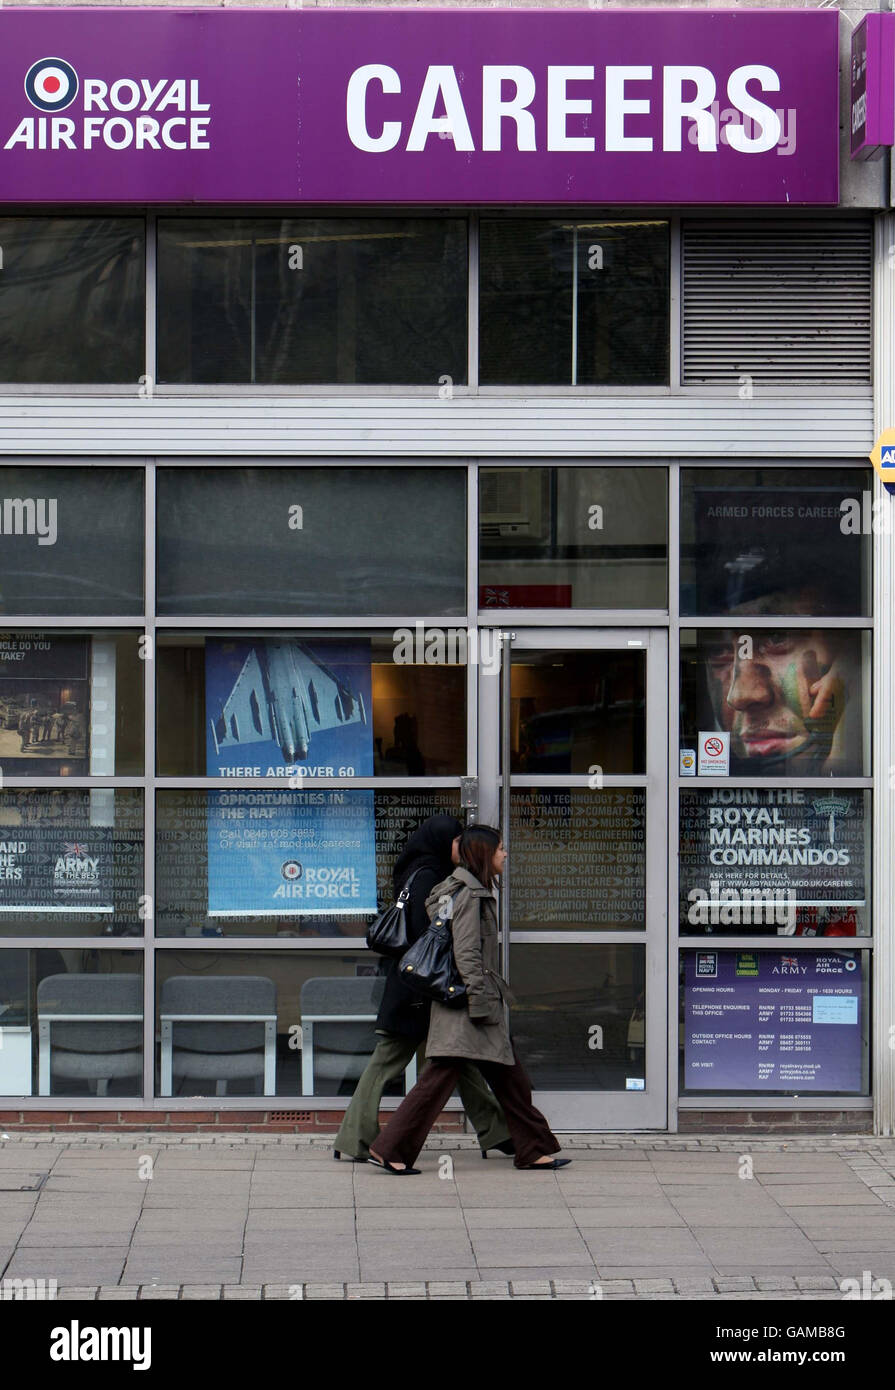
210 1216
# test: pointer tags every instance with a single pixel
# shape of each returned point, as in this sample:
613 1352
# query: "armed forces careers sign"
423 106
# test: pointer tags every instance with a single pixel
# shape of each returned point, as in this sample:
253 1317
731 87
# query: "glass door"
583 725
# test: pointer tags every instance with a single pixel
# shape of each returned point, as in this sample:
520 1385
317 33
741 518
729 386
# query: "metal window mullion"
251 622
674 829
574 380
328 783
506 682
37 622
113 783
675 300
472 307
472 605
748 623
558 619
151 291
149 756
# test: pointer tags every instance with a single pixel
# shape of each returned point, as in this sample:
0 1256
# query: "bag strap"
405 891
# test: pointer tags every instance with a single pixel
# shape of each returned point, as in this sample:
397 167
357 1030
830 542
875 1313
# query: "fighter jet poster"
280 706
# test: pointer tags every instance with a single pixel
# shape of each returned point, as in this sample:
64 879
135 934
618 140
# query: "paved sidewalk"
210 1216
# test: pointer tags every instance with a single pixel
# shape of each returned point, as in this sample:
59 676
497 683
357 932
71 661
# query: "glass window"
281 863
72 1022
312 300
581 304
573 537
72 300
794 701
776 541
579 860
775 1023
54 523
71 705
356 704
340 541
71 862
784 862
578 711
305 1027
562 993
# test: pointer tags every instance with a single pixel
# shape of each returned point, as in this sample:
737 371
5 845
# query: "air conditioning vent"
782 303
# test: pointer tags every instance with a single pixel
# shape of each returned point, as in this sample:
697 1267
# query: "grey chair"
338 1017
226 1030
89 1028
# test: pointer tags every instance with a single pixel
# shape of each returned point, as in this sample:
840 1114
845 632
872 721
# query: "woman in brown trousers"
477 1032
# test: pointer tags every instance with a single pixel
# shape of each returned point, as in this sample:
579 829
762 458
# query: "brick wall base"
775 1121
449 1122
173 1121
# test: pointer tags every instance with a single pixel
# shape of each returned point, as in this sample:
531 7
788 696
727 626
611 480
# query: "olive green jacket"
480 1030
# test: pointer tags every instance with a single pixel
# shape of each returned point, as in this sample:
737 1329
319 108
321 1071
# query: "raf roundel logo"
51 84
291 870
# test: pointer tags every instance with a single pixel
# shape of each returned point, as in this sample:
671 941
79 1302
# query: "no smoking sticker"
714 754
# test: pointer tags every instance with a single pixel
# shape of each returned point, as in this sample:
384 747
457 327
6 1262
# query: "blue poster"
771 1021
280 707
276 853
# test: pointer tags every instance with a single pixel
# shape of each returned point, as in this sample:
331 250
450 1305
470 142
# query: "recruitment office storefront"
432 466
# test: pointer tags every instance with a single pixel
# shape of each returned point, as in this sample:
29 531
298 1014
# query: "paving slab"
651 1217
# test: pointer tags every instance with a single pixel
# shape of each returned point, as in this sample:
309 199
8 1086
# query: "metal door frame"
596 1110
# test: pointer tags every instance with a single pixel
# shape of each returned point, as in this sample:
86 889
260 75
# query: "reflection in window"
280 301
579 860
576 712
564 994
779 862
56 521
573 537
226 545
791 699
72 300
776 541
581 304
97 1048
268 1023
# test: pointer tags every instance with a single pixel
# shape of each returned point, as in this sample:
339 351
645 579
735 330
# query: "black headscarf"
429 846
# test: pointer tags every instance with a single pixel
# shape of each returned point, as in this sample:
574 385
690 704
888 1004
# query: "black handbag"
387 934
429 968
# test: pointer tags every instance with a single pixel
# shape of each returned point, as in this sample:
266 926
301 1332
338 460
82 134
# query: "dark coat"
479 1031
402 1011
428 850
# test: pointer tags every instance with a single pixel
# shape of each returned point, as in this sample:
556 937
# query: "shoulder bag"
429 968
387 934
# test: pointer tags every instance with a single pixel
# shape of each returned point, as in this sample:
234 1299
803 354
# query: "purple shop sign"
418 107
773 1021
872 106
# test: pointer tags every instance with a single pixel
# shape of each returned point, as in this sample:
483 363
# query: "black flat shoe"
337 1154
549 1167
505 1147
390 1168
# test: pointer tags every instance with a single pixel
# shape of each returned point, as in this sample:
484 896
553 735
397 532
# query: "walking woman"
478 1032
403 1018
